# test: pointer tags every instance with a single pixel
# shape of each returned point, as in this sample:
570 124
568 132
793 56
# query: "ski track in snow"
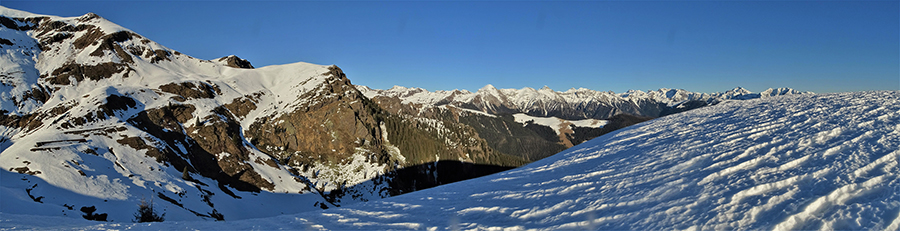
825 161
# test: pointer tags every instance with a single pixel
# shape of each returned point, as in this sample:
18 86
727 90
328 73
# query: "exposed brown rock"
110 43
87 39
243 105
28 121
61 76
59 37
328 129
136 50
38 94
12 23
158 55
224 136
234 61
189 90
24 170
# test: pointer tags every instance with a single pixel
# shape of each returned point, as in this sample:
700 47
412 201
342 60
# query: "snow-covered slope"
824 162
799 162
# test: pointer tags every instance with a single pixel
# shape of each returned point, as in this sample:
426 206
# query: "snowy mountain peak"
397 88
487 89
738 91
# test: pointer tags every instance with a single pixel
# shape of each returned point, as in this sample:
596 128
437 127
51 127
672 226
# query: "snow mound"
827 161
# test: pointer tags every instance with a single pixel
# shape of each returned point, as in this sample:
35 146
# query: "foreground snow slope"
826 161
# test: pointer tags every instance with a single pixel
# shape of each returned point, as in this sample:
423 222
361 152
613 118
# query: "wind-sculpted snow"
807 162
824 162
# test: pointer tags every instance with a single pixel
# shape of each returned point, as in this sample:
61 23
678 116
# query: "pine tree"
146 213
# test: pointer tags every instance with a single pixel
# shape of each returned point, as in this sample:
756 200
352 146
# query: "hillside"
824 162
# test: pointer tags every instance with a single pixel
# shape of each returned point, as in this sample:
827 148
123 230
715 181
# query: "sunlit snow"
826 161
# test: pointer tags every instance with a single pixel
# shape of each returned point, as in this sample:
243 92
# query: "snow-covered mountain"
825 162
94 115
102 117
573 104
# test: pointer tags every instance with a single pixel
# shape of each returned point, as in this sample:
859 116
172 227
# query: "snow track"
800 162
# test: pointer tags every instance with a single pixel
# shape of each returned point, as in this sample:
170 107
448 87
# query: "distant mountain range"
95 117
573 104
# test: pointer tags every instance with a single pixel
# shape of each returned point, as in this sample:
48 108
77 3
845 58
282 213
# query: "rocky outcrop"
234 61
330 128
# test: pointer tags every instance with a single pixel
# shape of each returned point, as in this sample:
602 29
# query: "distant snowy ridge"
825 162
572 104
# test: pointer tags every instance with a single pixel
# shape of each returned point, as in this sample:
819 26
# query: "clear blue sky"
706 46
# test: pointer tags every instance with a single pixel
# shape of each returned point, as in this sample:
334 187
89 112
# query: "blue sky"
705 46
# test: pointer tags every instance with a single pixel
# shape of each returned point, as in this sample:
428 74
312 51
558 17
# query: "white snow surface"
559 125
824 162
